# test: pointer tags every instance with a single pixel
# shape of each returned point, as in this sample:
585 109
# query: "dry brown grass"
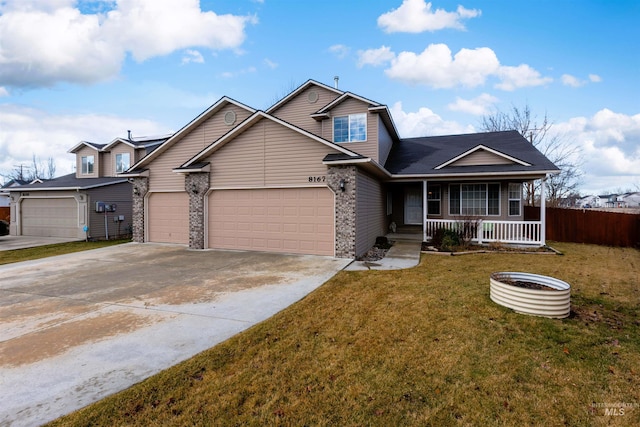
424 346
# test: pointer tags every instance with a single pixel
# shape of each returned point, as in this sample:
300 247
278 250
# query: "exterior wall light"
136 192
342 183
194 189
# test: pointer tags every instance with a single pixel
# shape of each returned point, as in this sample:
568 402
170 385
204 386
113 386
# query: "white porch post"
424 210
543 212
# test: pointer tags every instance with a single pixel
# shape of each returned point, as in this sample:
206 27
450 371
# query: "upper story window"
351 128
474 199
122 162
515 198
87 165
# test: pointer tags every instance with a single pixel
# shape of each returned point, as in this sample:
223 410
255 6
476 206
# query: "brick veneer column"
140 186
196 185
345 209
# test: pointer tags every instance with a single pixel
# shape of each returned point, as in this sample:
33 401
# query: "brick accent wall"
139 185
197 185
345 209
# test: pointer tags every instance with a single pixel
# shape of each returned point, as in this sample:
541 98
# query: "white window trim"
509 199
83 163
116 160
486 206
349 118
439 199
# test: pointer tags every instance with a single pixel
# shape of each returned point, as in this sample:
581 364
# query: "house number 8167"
317 179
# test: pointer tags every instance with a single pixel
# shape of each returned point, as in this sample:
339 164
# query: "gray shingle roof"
70 181
418 156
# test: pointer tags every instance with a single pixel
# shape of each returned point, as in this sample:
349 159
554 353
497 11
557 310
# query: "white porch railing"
485 231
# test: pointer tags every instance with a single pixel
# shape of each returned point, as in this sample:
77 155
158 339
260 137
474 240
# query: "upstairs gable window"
87 165
122 162
351 128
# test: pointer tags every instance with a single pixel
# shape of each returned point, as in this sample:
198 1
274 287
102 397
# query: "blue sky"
73 70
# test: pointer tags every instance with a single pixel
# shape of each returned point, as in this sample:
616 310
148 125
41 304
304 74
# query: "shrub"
445 239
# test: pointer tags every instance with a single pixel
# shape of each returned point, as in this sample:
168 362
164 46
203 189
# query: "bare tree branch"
558 148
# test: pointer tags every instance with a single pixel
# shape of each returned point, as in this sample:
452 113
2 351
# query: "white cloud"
3 91
424 122
611 148
44 42
270 63
477 106
191 55
27 132
416 16
569 80
339 50
520 76
436 67
375 57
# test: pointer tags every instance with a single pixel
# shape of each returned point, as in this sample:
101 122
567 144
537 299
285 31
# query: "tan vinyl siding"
120 194
106 168
87 151
481 157
368 148
161 176
384 141
268 154
370 212
297 111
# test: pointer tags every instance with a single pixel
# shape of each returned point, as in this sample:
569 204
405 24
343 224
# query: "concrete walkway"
403 254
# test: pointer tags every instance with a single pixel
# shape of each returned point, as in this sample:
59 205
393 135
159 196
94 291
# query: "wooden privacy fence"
4 213
589 226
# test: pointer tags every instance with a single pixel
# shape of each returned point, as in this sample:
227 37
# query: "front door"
413 206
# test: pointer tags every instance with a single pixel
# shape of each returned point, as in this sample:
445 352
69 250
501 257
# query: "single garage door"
51 217
169 217
292 220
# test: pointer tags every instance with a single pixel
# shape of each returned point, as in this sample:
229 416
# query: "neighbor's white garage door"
292 220
168 217
51 217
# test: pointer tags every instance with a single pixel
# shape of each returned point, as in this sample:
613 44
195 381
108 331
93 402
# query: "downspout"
424 210
543 212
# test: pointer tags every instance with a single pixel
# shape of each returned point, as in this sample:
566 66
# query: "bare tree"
36 170
557 148
286 90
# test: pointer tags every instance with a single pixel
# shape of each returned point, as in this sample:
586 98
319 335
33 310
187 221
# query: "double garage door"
292 220
50 217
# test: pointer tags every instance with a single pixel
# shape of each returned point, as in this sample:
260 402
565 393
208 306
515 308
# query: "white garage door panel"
50 217
169 218
297 220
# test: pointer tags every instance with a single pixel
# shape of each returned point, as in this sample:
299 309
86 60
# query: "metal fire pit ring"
553 303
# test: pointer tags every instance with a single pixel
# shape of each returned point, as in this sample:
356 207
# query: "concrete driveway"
79 327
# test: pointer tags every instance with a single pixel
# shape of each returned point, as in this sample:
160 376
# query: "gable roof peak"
299 89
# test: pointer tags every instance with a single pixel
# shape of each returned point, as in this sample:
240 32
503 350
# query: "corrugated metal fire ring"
553 303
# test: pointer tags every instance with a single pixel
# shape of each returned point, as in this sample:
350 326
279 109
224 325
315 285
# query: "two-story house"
93 202
325 172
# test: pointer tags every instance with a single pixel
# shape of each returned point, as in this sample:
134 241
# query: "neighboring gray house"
91 203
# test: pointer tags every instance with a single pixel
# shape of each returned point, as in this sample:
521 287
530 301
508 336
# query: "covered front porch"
417 209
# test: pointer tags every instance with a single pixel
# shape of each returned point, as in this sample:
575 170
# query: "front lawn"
423 346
